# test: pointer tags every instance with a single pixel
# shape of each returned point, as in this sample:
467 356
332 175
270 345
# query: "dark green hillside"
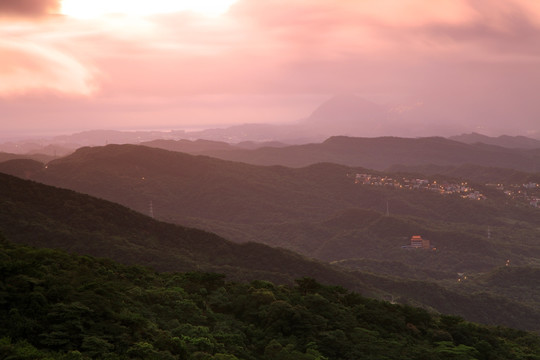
480 305
44 216
521 283
383 152
371 241
304 209
59 306
183 187
23 168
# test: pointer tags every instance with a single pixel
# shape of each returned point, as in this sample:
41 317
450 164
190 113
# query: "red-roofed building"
418 242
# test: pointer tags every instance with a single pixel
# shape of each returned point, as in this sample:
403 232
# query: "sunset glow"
269 179
96 8
459 65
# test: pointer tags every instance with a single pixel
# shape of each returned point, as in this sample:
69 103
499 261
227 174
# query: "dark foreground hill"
70 307
39 215
383 152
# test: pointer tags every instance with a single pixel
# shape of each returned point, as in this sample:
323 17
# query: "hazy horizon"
451 66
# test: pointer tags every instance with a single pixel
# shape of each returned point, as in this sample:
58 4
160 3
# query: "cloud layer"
474 63
29 8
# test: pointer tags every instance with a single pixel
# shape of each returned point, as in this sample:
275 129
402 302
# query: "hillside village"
525 193
528 194
462 189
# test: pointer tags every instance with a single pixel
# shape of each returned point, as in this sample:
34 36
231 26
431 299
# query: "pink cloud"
28 8
28 66
473 60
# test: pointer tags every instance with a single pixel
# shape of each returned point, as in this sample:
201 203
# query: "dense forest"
61 306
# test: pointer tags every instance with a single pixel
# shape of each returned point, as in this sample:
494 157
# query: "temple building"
417 242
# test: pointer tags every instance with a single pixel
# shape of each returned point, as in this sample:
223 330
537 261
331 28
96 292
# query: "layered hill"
201 146
5 156
319 210
39 215
517 142
23 168
383 152
43 216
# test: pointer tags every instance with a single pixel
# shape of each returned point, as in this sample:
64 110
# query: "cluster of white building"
529 193
462 189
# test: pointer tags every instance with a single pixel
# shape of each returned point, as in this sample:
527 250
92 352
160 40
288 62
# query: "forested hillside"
23 168
60 306
319 211
44 216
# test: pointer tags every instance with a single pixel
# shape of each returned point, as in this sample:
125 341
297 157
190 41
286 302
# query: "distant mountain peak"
345 108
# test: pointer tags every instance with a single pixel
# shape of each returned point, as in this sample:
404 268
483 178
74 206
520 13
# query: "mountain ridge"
44 216
507 141
294 207
382 152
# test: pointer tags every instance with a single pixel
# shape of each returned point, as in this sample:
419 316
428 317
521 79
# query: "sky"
76 65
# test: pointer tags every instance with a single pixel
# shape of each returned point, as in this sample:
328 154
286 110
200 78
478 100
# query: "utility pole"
151 209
